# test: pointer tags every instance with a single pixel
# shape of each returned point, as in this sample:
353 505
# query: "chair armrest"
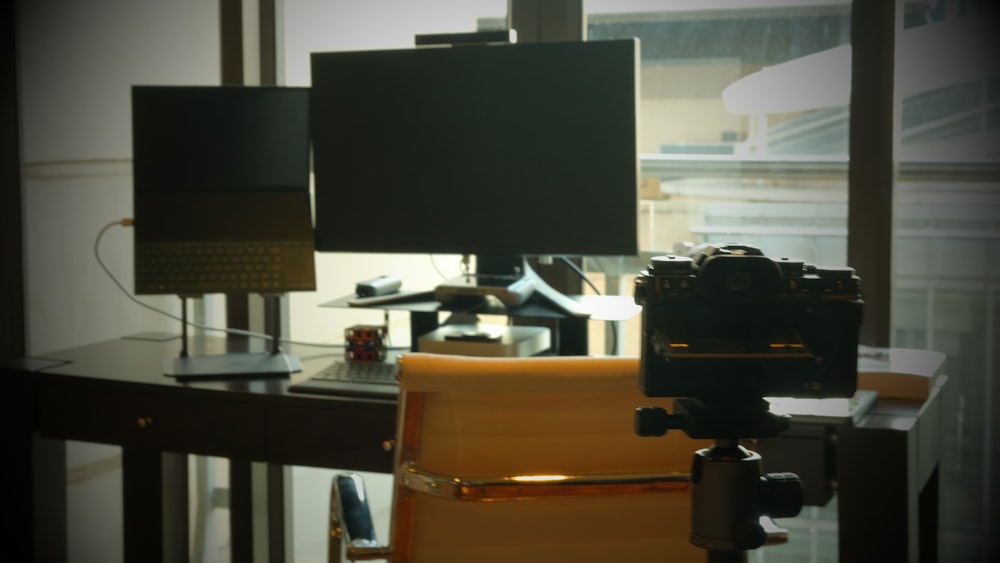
352 531
519 487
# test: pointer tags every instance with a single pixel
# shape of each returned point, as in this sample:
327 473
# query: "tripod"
732 499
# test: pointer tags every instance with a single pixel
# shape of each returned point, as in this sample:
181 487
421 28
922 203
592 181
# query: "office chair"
524 459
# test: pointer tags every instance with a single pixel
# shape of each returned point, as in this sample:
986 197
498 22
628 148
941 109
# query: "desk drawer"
169 421
342 434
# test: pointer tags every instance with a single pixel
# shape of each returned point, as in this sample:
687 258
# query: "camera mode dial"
671 265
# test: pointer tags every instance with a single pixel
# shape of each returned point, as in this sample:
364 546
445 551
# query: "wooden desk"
114 392
883 467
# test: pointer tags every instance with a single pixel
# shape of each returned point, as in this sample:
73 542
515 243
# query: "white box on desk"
486 340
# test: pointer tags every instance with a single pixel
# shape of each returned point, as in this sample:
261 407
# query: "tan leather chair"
526 459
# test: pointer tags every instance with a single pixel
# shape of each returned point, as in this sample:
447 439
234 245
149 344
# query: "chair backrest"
535 459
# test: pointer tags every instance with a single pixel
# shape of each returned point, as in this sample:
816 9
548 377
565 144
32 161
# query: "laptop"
221 190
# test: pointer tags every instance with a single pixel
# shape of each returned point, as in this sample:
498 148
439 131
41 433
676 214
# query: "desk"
114 392
883 467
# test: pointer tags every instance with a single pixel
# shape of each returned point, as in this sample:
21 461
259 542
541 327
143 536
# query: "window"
745 123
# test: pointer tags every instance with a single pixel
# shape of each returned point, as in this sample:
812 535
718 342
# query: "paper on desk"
825 411
899 373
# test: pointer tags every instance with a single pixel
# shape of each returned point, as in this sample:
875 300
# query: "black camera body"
729 323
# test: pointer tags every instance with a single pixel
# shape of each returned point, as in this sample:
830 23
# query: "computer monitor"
490 150
221 190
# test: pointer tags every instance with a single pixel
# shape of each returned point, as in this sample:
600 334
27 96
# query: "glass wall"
947 209
745 122
744 137
739 141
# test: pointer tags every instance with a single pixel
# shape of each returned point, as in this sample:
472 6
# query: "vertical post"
241 510
45 488
231 41
872 175
21 518
231 59
539 21
155 526
279 513
272 322
547 20
268 43
12 339
892 480
176 537
184 327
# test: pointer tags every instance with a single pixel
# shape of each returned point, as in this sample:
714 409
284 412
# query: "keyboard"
196 268
342 377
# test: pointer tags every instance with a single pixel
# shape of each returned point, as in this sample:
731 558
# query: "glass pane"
947 206
744 138
730 152
320 25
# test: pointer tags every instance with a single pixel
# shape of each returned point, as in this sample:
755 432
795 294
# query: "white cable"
235 331
583 276
437 269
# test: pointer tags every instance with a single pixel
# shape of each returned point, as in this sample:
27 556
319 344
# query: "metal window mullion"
874 119
547 20
990 335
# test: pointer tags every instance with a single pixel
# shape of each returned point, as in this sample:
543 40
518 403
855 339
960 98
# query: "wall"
78 61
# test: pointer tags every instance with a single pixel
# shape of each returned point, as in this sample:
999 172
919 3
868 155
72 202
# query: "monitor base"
225 366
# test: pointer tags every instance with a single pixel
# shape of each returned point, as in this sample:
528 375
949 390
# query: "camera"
728 323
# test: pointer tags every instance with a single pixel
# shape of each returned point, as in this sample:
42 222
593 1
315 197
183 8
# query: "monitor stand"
524 284
271 363
555 298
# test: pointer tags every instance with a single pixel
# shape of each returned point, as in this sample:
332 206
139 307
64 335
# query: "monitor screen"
521 149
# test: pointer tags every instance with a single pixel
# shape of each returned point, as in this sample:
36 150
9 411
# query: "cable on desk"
586 280
128 222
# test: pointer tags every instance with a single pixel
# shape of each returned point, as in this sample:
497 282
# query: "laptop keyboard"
221 267
352 378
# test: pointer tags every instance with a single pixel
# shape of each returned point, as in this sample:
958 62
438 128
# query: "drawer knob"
144 421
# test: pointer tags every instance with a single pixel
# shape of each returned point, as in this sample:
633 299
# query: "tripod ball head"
730 495
781 495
